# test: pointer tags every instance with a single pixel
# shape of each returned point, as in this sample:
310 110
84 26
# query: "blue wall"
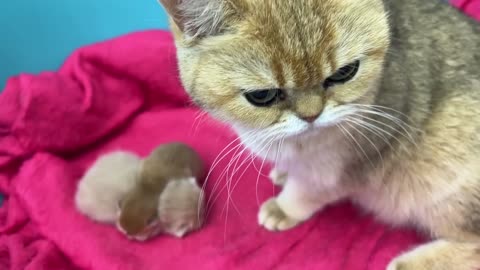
37 35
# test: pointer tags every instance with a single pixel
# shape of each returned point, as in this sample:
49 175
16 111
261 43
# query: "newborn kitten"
376 101
181 207
166 197
109 179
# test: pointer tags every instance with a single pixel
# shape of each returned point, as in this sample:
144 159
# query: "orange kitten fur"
376 101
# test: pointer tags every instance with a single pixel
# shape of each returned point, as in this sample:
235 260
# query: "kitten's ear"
197 18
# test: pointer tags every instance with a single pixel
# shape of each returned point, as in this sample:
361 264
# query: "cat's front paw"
273 218
278 178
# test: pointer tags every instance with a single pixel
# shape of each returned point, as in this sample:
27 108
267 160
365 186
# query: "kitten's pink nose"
310 119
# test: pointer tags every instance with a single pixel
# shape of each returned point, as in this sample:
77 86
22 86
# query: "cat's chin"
314 131
254 138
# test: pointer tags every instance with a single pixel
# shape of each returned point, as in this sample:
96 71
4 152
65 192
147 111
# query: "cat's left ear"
198 18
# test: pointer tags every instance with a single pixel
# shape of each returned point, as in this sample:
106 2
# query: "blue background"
37 35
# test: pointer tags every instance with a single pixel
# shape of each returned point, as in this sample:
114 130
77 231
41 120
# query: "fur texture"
181 207
401 137
116 173
157 203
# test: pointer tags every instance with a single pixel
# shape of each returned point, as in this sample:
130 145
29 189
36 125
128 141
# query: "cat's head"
280 67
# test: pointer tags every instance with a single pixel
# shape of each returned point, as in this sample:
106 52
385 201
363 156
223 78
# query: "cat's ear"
197 18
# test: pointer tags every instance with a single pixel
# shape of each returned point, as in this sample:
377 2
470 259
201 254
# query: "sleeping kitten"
376 101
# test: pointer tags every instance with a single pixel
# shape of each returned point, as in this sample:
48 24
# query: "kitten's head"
137 214
280 67
181 207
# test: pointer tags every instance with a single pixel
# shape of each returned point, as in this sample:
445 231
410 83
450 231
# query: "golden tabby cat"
376 101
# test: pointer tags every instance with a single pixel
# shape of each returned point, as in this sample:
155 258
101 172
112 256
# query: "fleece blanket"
125 94
470 7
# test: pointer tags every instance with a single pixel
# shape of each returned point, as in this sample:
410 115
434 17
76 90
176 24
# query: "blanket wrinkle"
125 94
291 247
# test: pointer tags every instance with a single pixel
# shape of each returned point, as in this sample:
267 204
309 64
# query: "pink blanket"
125 94
470 7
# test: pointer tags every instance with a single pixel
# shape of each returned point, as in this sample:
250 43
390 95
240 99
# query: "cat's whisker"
253 164
225 173
236 156
198 120
216 162
352 125
227 184
387 133
250 158
397 119
213 192
378 132
342 129
373 129
277 153
270 144
281 150
258 170
267 142
357 143
385 108
220 157
401 124
229 187
229 178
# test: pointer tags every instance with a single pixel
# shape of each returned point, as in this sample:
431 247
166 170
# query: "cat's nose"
310 119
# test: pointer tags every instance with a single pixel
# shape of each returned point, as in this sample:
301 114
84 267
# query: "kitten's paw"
273 218
278 178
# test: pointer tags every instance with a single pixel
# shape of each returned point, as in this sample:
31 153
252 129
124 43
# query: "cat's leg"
296 203
278 176
440 255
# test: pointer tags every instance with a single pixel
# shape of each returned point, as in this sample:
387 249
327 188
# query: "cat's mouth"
309 131
314 129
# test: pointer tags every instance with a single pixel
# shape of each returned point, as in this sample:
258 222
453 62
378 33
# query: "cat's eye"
264 98
343 75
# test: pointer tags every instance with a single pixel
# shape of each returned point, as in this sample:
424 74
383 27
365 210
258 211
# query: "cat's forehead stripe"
294 59
278 72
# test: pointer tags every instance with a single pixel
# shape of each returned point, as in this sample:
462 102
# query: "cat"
368 100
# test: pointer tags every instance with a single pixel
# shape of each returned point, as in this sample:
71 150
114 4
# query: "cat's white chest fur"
313 160
387 209
318 165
